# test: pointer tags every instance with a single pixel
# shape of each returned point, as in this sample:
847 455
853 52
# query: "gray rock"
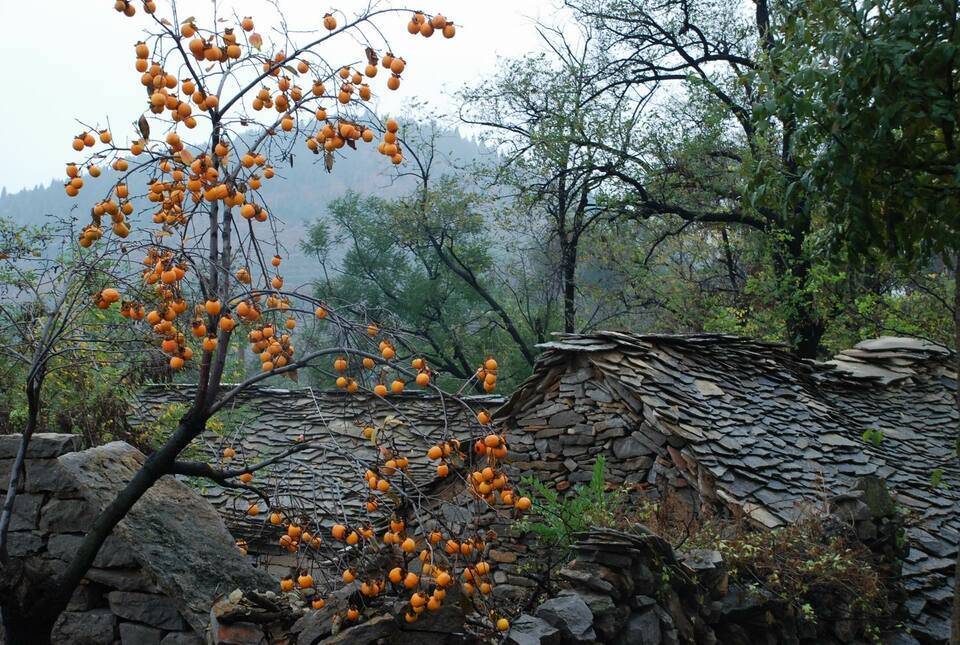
740 603
63 546
511 594
46 476
935 629
580 477
642 602
565 419
598 603
547 433
5 466
23 543
43 445
189 553
181 638
571 615
65 516
708 566
94 627
627 447
123 579
530 630
136 634
642 629
587 580
899 638
113 553
151 609
601 396
609 423
84 597
26 511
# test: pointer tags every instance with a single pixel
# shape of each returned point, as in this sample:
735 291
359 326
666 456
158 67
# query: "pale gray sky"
69 60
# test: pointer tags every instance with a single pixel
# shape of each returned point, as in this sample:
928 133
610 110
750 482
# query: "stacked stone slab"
745 429
155 578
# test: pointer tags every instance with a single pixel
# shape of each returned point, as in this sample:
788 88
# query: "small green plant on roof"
873 436
936 479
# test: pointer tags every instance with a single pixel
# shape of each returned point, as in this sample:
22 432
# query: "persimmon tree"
180 200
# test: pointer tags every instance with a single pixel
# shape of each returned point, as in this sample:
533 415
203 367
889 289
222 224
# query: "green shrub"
555 518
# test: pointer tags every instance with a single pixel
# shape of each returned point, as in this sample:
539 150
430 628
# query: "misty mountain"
298 195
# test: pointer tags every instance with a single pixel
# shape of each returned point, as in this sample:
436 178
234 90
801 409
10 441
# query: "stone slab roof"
326 480
764 432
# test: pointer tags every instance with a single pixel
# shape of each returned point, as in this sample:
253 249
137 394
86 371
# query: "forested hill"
297 195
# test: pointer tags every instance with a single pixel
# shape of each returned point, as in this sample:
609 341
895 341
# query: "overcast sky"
70 60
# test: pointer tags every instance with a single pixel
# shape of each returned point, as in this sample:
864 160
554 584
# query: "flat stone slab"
149 609
43 445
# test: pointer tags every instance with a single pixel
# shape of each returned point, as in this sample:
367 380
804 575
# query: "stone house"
745 429
158 574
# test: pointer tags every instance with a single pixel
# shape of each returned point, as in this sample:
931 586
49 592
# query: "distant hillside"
296 196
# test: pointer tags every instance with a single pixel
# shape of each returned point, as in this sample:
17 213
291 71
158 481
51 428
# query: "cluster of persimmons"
424 560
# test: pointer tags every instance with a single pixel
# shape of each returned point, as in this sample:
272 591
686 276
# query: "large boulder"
147 608
174 534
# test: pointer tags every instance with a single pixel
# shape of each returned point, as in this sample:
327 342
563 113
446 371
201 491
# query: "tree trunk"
38 372
568 259
806 332
14 484
804 327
